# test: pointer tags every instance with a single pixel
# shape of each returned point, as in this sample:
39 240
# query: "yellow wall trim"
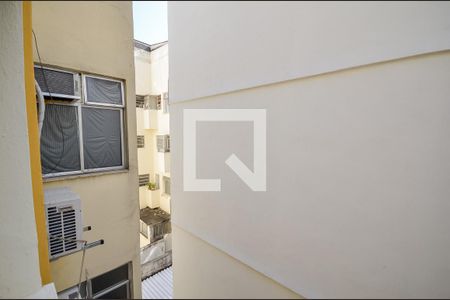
35 159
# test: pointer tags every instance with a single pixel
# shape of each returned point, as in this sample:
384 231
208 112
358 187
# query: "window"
102 91
102 137
166 181
157 181
163 143
140 141
60 143
85 135
114 284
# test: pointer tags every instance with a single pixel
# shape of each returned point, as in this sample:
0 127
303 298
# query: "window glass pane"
101 138
109 279
60 148
103 91
118 293
157 181
166 185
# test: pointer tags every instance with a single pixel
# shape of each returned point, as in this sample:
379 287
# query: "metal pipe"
89 245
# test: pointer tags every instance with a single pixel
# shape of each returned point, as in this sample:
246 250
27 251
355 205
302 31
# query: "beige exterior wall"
357 148
97 37
19 261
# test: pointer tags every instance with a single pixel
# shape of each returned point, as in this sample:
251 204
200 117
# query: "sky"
150 21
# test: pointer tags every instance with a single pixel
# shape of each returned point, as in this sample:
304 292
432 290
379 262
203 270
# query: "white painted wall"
142 71
358 179
19 261
252 44
198 261
159 70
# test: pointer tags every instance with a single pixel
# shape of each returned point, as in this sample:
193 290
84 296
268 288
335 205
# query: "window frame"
128 282
80 142
122 143
157 181
166 179
165 141
80 104
86 101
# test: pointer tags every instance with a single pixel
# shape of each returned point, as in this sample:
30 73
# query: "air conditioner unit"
152 102
64 223
57 83
163 143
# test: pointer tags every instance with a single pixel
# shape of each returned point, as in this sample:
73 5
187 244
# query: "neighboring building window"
157 181
144 179
140 101
163 143
140 141
114 284
82 137
166 103
166 181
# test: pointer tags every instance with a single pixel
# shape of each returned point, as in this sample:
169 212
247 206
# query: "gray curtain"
60 148
103 91
101 138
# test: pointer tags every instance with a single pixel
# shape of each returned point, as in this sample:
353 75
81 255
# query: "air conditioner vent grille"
140 141
55 82
144 179
62 228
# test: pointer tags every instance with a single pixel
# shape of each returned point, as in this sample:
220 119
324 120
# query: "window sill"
78 176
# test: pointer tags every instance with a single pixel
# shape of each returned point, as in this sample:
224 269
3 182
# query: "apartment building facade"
153 135
152 116
357 105
85 161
